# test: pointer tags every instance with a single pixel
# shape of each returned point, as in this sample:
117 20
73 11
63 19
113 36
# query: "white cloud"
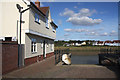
75 30
67 12
104 34
59 22
113 33
82 18
75 7
68 30
97 34
92 32
84 21
66 34
84 10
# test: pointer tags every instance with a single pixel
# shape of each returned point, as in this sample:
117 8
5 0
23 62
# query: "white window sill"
53 31
47 27
37 22
34 52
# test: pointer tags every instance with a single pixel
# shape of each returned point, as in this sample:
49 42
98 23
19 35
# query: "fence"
110 51
110 54
59 53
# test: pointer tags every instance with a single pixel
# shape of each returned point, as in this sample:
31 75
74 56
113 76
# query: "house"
116 42
38 31
108 43
78 43
112 43
101 43
95 43
66 44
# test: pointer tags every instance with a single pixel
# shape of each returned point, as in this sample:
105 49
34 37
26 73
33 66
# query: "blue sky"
85 20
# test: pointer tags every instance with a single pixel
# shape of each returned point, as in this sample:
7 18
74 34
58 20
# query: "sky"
85 20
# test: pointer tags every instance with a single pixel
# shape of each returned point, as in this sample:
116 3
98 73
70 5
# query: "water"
84 59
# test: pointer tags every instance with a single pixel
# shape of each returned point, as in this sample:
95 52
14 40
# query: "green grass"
85 50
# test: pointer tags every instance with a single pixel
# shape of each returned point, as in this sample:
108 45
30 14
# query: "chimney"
37 3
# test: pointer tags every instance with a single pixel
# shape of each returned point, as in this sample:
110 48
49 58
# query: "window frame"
51 49
53 28
41 44
37 18
33 46
47 23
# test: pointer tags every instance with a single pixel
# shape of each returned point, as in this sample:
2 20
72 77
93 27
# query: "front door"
44 55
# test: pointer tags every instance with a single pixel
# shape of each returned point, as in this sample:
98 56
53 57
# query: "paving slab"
48 69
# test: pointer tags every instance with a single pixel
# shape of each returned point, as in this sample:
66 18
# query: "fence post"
55 56
110 50
99 50
59 55
68 50
107 51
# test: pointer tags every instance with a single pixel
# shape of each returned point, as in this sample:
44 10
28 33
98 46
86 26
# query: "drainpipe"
20 55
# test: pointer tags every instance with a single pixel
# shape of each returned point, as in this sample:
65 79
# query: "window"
47 45
8 38
33 46
41 43
47 26
51 47
53 28
37 18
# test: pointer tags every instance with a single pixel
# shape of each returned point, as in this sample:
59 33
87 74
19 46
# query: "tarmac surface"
48 69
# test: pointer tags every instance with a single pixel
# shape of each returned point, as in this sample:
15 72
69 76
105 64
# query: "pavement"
48 69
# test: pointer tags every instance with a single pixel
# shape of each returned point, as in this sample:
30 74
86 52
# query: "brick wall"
9 56
34 59
50 54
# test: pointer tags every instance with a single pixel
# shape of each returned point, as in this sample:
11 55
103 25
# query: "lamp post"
20 55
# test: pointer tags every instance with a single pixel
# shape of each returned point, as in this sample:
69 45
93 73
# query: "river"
92 59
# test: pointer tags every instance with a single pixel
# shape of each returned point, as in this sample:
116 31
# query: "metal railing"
59 53
111 54
110 51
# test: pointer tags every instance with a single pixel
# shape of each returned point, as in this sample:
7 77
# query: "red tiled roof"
44 9
108 41
37 8
100 42
116 41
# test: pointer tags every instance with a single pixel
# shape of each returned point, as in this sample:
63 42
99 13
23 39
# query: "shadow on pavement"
115 69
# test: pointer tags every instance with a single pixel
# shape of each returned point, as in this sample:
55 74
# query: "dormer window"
37 18
47 26
53 28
